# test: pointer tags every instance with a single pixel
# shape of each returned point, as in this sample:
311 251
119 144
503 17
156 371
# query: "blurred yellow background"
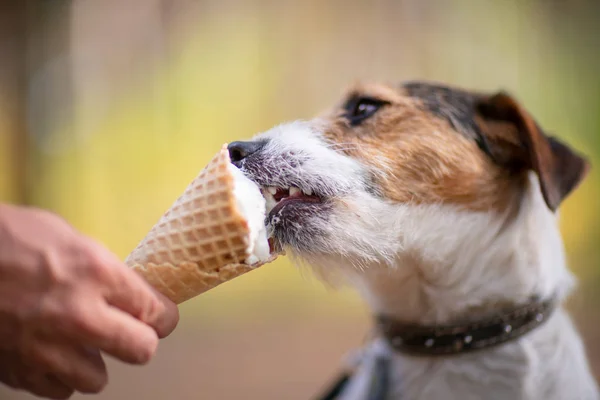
109 108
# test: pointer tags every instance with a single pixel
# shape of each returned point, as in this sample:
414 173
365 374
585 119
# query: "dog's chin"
298 224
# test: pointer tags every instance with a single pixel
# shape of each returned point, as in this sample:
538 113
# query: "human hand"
64 299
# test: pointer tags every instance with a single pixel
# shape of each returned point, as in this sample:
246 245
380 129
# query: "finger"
129 292
17 375
8 372
93 323
47 386
126 338
133 295
76 367
110 330
167 324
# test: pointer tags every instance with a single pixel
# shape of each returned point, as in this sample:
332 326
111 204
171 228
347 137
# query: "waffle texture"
200 242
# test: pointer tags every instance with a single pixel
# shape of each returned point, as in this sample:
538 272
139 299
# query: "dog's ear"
515 141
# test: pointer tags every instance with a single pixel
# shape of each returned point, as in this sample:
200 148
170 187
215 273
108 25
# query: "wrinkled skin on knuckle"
55 267
154 309
162 314
88 264
52 312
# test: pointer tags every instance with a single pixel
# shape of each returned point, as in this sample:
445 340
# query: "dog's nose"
240 150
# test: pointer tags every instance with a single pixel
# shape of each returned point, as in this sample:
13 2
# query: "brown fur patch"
418 157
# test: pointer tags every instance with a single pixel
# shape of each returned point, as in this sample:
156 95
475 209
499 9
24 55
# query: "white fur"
457 261
435 263
322 166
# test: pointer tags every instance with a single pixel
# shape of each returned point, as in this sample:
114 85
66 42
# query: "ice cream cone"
206 238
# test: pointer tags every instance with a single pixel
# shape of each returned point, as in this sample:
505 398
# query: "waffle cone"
200 242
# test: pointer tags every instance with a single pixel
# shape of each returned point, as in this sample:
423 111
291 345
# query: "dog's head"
339 184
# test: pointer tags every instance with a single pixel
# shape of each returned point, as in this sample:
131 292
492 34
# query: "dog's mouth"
280 198
299 197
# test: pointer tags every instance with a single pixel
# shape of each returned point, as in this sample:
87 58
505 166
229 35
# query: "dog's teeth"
294 191
308 192
270 203
272 190
266 193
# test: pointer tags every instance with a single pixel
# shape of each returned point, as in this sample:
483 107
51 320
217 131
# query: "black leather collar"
466 336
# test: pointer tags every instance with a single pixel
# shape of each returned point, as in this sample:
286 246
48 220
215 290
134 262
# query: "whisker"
341 146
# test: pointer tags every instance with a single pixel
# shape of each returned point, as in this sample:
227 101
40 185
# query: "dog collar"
468 336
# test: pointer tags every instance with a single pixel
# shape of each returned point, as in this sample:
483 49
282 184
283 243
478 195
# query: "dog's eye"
362 108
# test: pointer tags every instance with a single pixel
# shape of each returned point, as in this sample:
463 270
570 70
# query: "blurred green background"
109 108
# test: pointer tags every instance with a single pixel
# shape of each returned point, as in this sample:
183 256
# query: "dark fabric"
336 388
380 381
378 388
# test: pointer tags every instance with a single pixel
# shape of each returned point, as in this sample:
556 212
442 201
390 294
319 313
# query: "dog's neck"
455 263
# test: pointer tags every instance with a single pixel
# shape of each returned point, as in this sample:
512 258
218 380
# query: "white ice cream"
251 204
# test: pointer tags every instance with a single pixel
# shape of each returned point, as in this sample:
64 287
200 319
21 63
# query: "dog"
440 206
